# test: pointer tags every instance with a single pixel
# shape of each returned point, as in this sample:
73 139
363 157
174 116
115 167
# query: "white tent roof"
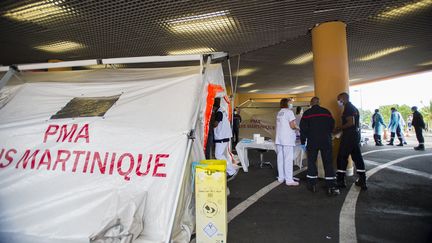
120 161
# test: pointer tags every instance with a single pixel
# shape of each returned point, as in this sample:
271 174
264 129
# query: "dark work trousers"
377 139
209 146
312 173
235 139
350 145
419 134
398 133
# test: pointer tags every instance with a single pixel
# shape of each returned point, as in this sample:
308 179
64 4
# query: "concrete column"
331 77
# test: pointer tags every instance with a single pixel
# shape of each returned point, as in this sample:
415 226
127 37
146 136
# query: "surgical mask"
290 106
340 103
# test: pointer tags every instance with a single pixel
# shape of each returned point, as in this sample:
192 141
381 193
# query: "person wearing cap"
418 124
285 141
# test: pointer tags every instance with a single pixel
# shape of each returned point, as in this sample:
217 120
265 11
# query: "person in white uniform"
222 135
285 141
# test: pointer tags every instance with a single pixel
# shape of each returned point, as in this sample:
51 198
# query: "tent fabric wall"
88 171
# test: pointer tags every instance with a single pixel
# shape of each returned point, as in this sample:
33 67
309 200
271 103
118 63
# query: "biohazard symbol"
210 209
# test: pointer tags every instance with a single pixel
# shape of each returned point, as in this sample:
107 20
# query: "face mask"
340 103
235 112
290 106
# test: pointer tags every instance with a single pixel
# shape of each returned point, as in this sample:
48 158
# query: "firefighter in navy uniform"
316 127
418 124
350 143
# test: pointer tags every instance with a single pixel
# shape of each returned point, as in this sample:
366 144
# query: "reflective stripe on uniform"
340 171
312 177
330 178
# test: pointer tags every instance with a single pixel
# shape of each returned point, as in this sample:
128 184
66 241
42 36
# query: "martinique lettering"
126 165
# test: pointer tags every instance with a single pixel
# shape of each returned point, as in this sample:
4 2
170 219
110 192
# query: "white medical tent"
103 155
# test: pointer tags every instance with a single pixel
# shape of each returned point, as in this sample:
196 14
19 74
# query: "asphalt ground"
397 207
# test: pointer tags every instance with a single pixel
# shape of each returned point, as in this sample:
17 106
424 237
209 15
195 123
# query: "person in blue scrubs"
378 126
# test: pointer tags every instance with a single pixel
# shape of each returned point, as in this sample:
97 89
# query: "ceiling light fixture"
301 87
245 72
203 22
245 85
63 46
39 12
425 63
254 91
302 59
382 53
201 50
406 9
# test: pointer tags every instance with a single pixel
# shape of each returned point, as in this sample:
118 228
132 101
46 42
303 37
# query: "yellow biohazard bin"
211 201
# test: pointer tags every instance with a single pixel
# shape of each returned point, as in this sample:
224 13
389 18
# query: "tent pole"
126 60
177 198
238 68
191 137
8 75
36 66
249 100
232 90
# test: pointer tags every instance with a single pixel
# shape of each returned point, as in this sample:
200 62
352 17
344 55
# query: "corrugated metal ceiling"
266 34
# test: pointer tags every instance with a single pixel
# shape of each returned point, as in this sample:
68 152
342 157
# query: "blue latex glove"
303 146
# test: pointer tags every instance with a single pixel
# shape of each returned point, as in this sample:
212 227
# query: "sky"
411 90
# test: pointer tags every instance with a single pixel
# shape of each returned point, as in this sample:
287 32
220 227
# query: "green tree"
385 111
405 111
365 117
426 111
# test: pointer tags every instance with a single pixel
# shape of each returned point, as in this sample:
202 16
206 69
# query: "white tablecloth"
246 144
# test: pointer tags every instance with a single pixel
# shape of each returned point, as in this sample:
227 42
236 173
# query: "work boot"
375 139
400 145
361 182
333 191
311 187
231 177
420 147
379 142
340 180
391 142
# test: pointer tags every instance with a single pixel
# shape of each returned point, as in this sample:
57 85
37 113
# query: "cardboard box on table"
211 201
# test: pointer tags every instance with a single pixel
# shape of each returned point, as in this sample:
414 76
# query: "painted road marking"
379 150
403 170
240 208
347 229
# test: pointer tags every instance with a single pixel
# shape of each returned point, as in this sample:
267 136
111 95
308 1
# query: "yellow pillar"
330 60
